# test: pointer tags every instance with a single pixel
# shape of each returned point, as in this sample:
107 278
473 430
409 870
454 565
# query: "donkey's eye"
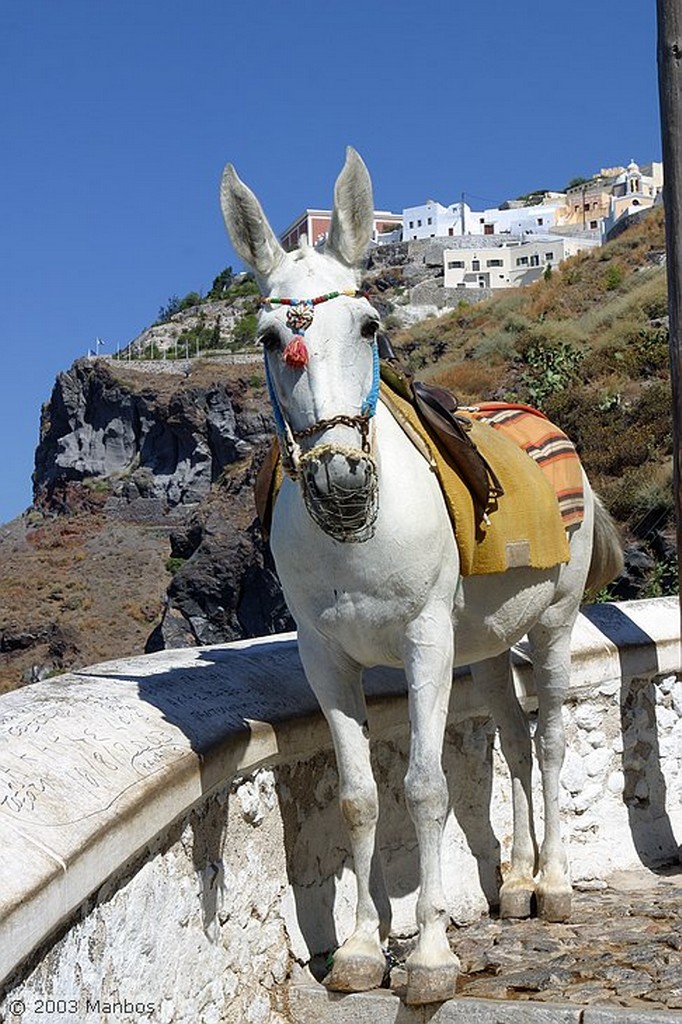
270 340
369 327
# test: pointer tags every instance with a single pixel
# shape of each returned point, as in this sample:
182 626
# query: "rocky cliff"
163 437
161 456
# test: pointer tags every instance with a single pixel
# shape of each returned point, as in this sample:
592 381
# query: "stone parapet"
171 832
179 367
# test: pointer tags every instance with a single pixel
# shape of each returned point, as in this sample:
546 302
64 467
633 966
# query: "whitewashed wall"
173 849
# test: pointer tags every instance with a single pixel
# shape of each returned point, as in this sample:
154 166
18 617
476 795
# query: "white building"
433 220
508 264
518 219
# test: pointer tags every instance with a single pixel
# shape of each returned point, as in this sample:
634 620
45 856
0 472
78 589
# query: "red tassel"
295 354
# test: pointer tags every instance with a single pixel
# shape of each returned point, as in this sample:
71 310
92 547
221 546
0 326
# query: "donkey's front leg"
432 968
359 964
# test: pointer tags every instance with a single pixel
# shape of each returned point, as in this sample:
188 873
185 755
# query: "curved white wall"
172 843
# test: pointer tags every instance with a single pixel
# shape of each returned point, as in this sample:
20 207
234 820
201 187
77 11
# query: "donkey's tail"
607 550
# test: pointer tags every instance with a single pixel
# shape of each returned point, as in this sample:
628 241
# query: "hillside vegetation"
588 344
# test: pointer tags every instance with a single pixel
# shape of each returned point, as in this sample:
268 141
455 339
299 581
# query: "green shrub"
548 367
613 277
244 332
647 355
221 285
246 287
499 345
176 305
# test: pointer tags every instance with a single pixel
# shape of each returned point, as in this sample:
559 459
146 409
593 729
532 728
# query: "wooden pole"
670 97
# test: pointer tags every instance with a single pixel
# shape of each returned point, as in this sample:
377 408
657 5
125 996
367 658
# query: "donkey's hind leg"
493 678
359 963
551 654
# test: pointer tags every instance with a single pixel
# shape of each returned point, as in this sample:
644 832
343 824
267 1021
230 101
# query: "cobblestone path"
622 947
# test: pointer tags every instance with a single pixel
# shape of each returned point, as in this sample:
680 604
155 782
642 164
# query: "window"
429 220
494 263
451 231
481 220
475 264
455 264
535 260
549 257
419 223
411 223
541 220
594 224
521 261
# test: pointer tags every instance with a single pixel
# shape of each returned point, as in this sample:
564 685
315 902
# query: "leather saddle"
437 409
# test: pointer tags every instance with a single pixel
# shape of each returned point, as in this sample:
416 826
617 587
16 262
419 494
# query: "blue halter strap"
370 404
299 317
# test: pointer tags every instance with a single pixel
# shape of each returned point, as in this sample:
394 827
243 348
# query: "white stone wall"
243 871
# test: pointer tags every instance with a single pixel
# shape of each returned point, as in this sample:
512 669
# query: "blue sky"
117 119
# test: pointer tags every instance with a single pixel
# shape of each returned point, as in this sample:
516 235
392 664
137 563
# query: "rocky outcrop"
178 451
404 280
211 323
225 585
148 439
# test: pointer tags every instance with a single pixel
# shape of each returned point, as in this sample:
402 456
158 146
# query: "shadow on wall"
208 706
470 781
208 703
644 792
317 847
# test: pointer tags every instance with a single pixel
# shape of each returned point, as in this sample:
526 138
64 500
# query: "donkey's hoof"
355 973
554 906
516 902
431 984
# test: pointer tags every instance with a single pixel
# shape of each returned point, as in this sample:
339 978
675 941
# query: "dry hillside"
589 346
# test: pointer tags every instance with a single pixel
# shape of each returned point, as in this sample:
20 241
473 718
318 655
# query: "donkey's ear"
252 237
353 215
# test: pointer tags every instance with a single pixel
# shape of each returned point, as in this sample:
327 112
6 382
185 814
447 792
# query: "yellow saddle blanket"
526 529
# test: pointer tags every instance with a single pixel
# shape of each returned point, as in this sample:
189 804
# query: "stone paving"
622 948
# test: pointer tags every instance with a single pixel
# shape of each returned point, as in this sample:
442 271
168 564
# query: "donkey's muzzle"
341 492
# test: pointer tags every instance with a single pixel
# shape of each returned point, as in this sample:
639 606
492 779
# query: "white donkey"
370 570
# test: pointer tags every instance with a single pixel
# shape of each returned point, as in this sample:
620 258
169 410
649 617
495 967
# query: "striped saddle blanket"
550 447
540 478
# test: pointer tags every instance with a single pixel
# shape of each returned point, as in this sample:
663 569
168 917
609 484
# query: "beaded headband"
299 318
